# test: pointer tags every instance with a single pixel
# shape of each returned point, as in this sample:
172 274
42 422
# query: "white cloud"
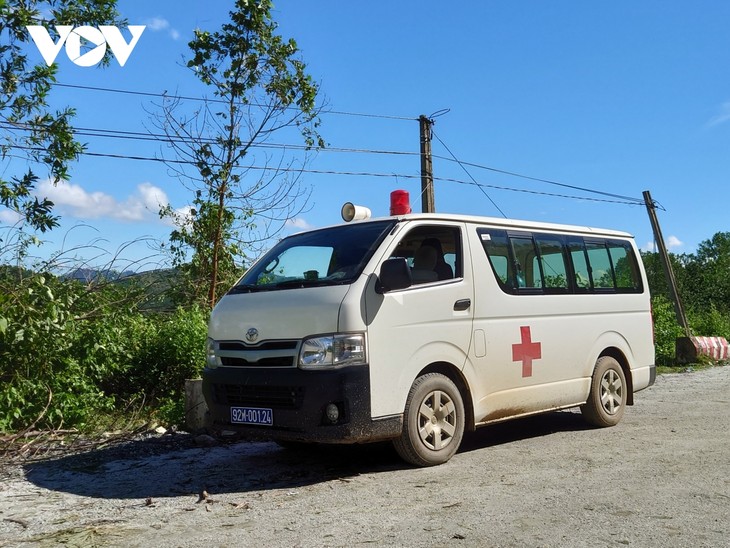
721 117
298 224
157 24
181 217
673 242
9 217
143 205
670 243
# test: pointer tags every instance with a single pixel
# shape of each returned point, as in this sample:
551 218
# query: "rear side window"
625 267
539 263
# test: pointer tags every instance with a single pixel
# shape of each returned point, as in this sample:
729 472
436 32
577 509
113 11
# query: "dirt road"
659 478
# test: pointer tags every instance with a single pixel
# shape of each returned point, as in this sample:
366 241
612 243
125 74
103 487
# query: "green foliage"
710 323
262 88
172 350
70 351
30 130
703 281
666 330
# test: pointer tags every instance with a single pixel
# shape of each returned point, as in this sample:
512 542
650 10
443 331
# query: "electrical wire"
619 198
159 137
342 173
166 95
467 172
139 136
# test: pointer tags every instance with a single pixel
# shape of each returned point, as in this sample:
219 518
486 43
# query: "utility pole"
428 199
666 264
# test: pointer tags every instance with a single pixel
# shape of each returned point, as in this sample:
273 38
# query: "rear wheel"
607 400
433 423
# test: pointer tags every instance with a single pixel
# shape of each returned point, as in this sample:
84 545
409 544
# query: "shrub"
710 323
72 352
666 330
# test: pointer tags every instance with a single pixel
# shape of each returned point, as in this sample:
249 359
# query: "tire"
433 422
607 399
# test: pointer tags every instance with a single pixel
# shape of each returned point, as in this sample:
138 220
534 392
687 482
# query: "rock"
204 440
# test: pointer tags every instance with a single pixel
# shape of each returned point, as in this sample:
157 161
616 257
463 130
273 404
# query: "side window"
625 268
552 261
433 253
541 263
600 264
514 259
580 265
496 246
527 268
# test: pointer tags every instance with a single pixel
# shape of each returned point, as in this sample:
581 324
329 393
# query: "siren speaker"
352 212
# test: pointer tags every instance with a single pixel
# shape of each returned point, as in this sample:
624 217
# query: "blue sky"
618 97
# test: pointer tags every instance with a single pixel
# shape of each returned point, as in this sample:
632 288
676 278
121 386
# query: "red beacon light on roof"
400 202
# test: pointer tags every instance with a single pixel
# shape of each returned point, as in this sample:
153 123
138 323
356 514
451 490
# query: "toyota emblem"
252 334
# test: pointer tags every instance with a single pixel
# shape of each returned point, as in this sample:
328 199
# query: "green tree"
709 271
30 131
260 88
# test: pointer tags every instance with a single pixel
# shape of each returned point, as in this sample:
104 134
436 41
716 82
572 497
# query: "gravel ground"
660 478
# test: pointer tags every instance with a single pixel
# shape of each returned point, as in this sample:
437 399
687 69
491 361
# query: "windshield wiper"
246 288
303 283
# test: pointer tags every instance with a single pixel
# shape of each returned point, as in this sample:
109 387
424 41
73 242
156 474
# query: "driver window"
433 253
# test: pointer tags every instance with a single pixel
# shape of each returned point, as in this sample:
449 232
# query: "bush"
666 330
72 352
171 350
710 323
44 371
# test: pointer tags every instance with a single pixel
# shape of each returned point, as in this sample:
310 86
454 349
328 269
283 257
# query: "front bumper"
298 399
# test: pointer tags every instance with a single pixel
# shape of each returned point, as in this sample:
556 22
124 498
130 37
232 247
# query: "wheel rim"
437 420
612 392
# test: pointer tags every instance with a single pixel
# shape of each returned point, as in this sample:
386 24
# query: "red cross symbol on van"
526 351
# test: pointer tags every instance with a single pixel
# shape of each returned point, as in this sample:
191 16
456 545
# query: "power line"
164 138
138 136
467 172
343 173
252 167
166 95
638 201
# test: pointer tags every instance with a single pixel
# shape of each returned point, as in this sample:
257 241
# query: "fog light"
332 412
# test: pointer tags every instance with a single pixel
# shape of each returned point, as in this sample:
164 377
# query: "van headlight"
333 350
211 361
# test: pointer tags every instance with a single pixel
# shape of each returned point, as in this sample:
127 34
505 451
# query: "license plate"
252 415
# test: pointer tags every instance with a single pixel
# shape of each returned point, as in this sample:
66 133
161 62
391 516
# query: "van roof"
514 224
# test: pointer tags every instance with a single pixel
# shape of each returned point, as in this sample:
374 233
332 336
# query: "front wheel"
433 422
607 400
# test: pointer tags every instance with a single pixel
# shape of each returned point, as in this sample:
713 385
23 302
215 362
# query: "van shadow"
141 469
156 468
522 429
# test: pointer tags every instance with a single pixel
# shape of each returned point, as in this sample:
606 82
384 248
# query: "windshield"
323 257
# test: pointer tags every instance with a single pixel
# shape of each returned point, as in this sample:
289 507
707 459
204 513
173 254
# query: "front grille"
238 346
275 397
285 361
272 353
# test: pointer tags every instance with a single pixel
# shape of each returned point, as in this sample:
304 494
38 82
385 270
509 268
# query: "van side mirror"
394 274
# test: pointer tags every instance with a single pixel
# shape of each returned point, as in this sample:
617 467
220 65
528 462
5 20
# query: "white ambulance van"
418 327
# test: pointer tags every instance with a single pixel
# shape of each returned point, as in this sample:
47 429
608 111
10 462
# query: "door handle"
462 304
